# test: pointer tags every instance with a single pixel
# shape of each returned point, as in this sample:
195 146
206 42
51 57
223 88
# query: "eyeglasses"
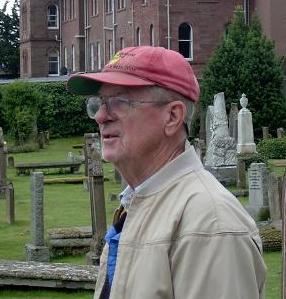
116 106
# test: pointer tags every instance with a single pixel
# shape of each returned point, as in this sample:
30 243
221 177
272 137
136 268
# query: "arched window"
53 17
152 39
138 37
186 41
54 63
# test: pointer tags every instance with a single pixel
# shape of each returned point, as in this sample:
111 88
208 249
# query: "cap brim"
89 83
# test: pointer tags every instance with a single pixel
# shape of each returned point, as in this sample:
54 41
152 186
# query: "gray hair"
165 94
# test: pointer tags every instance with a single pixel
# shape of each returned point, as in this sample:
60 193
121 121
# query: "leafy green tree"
245 62
20 103
9 39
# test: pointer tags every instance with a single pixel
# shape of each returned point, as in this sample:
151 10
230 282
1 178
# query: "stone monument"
245 139
258 189
233 116
36 250
209 124
221 151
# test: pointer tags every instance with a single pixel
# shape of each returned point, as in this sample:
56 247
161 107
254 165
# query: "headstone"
265 132
96 191
221 150
36 250
241 174
280 133
233 116
3 165
258 189
274 195
10 204
209 124
245 138
47 137
11 162
41 139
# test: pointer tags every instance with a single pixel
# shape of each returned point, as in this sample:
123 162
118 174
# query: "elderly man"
178 234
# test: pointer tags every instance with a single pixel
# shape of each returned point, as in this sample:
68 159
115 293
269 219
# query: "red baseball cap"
141 66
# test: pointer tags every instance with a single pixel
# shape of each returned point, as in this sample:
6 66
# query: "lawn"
68 205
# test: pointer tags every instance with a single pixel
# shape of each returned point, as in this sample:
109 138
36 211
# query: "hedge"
60 112
272 148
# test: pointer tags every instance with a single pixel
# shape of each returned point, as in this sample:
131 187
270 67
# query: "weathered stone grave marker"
96 191
258 190
274 195
37 251
280 133
233 117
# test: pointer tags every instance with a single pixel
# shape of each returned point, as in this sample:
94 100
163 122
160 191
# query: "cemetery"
57 195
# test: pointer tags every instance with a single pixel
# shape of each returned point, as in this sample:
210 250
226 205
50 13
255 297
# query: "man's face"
137 135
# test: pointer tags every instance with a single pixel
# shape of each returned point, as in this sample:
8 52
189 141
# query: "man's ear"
176 113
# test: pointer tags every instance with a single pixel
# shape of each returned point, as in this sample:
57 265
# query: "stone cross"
245 137
96 191
258 188
36 250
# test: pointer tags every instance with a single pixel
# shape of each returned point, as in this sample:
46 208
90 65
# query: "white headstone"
245 139
258 190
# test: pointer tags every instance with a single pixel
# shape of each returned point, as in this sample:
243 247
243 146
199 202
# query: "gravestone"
240 174
233 117
220 157
280 133
258 189
41 139
265 132
10 204
3 165
245 138
36 250
274 195
96 191
209 124
11 162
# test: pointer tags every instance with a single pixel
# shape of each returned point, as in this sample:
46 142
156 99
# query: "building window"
73 58
92 57
53 16
138 37
54 63
98 56
108 5
121 4
94 7
152 39
122 44
110 49
186 41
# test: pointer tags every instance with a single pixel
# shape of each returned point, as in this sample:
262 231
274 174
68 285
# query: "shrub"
272 148
62 113
20 106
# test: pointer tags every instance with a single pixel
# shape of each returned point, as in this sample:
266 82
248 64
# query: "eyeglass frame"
106 101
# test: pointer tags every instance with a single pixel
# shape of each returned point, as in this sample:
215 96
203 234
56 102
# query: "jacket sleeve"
220 266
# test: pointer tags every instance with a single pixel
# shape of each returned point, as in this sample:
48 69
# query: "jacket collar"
187 162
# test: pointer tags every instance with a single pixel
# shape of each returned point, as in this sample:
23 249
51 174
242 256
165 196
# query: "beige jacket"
186 237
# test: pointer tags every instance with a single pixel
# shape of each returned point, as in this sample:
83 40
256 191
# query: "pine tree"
245 62
9 39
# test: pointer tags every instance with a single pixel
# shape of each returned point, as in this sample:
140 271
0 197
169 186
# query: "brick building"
82 35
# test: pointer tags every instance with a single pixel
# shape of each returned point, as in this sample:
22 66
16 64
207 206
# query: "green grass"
68 205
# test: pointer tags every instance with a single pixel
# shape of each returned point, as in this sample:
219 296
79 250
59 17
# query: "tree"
245 62
9 39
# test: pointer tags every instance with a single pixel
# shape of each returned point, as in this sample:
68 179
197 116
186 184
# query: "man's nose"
102 115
